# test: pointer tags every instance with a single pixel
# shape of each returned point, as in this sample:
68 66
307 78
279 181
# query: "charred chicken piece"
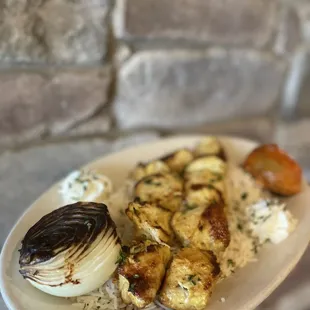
210 145
144 169
210 163
178 160
189 280
164 189
203 227
151 220
142 271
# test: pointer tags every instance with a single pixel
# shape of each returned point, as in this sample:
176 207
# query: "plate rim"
6 250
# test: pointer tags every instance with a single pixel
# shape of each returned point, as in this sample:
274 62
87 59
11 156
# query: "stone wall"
83 68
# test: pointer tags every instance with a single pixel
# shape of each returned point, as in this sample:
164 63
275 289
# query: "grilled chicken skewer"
183 194
202 221
151 221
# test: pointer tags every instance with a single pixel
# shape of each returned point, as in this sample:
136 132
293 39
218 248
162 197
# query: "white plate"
247 288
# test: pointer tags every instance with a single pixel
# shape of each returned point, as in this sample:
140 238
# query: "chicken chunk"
201 195
211 163
142 271
178 159
204 177
210 146
144 169
151 220
203 227
165 189
189 280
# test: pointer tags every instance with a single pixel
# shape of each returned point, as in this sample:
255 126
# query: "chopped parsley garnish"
136 276
239 226
151 182
188 207
121 258
136 211
244 196
231 263
267 217
148 181
192 279
131 288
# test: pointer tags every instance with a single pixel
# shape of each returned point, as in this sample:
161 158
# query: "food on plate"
186 221
207 178
200 195
151 220
203 227
270 221
83 185
70 251
165 189
141 272
210 163
178 160
210 145
274 169
189 280
144 169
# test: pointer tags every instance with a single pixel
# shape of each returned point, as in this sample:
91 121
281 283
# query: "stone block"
50 102
190 88
55 31
239 22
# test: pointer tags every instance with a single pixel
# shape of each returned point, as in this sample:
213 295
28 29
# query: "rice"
106 297
241 193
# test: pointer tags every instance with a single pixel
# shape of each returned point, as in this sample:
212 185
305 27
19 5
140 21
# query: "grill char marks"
76 225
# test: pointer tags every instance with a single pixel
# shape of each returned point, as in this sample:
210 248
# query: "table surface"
24 175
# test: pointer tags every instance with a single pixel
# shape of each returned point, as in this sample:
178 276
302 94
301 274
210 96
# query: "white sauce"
269 221
85 186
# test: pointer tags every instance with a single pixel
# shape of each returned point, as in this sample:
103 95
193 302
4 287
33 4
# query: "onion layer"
71 251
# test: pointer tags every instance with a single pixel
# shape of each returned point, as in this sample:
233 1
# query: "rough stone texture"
98 124
303 8
123 53
288 32
224 22
303 96
294 137
35 104
187 88
53 30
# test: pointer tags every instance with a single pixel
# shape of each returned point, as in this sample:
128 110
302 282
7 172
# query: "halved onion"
71 251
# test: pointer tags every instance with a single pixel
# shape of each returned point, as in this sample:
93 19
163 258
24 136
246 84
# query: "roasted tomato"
274 169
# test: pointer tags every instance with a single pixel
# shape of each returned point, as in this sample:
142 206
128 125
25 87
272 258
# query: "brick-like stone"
224 22
99 124
36 103
303 95
303 8
289 31
293 136
187 88
56 31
